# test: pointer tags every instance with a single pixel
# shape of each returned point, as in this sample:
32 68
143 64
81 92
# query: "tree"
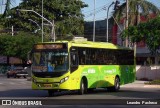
66 14
17 46
136 9
149 32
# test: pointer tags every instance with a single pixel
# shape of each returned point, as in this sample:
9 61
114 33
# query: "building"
100 30
143 55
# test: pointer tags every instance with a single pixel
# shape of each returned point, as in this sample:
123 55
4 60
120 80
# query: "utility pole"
94 21
42 20
126 26
107 21
12 30
53 32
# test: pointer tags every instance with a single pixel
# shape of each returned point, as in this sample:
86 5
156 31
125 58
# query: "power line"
101 18
96 8
101 8
98 11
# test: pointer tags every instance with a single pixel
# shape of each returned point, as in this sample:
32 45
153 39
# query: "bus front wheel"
83 87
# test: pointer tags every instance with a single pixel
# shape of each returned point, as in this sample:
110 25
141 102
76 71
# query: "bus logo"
91 71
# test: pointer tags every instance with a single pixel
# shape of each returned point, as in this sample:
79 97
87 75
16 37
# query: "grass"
154 82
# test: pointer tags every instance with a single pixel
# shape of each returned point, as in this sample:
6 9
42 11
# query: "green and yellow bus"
81 65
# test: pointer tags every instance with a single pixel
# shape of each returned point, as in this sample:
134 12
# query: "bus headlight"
64 79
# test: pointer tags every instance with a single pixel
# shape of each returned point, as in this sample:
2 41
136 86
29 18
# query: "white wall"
147 72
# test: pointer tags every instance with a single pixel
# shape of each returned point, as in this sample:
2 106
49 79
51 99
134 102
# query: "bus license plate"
48 85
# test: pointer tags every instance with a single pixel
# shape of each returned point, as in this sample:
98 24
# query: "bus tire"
50 93
83 87
116 86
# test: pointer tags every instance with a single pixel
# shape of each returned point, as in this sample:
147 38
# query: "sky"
101 11
100 6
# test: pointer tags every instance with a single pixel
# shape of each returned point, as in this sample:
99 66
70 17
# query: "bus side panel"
92 73
99 76
127 74
75 79
109 73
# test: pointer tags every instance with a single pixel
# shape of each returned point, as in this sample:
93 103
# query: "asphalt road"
20 89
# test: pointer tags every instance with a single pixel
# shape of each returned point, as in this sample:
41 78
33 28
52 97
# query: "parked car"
17 73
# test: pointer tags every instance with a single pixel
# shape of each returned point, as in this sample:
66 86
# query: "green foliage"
149 31
19 45
154 82
65 13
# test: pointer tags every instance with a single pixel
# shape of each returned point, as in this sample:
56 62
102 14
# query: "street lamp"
52 24
35 23
108 19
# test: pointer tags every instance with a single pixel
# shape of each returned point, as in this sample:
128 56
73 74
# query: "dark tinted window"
94 56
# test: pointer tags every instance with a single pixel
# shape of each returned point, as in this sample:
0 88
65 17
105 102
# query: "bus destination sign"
49 46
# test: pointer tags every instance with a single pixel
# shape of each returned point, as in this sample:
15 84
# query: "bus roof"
90 44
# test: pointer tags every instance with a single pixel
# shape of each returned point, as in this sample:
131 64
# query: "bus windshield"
50 61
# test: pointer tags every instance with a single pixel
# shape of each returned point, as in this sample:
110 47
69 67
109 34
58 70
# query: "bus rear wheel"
116 86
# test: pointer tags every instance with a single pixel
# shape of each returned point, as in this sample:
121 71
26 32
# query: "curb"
152 86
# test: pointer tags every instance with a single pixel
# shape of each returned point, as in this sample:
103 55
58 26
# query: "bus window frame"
74 51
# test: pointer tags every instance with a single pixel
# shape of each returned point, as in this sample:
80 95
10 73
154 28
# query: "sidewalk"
140 84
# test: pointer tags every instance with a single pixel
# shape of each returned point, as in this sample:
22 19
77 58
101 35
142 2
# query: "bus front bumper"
50 85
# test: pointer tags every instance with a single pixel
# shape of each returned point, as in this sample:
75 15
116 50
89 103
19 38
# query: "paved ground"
141 84
14 88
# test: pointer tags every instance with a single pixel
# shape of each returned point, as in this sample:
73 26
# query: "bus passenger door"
74 76
73 61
